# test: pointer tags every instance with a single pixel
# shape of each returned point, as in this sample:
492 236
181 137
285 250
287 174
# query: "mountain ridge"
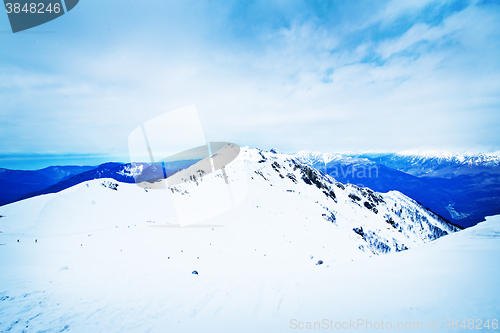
287 201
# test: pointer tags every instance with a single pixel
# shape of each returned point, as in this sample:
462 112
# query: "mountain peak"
276 151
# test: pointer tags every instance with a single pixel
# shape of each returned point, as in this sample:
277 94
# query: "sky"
330 76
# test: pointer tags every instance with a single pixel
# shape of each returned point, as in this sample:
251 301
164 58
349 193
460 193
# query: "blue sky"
318 75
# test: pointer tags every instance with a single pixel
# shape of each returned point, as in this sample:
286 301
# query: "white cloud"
433 86
395 9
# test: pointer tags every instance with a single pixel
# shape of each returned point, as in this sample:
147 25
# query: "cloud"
310 81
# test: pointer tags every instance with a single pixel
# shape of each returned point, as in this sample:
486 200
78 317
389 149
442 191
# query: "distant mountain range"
439 165
17 185
463 188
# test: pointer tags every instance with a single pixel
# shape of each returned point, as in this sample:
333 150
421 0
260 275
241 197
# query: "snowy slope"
111 257
122 281
284 195
16 183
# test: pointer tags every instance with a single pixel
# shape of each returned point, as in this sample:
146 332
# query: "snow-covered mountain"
471 158
316 158
444 165
463 188
417 163
16 183
110 256
288 200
